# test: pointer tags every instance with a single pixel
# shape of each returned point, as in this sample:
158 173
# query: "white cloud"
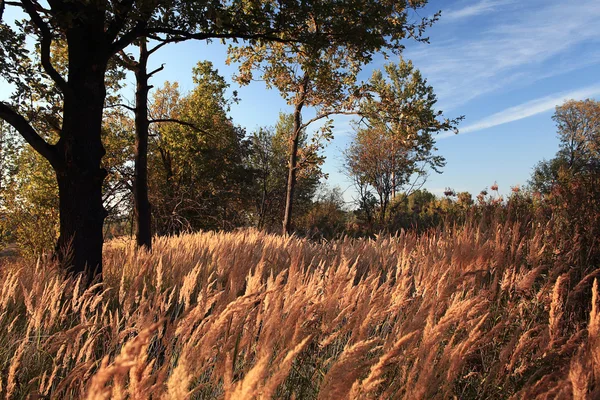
529 109
480 8
517 45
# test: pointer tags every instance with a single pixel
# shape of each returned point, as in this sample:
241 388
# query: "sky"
503 64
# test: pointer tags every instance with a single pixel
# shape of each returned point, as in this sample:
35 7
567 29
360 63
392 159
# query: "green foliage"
197 177
30 202
320 71
396 147
548 173
578 127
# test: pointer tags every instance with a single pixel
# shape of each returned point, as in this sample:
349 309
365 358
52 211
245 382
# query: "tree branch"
178 35
181 35
128 38
327 114
22 126
180 122
156 70
161 44
45 44
122 10
121 105
129 62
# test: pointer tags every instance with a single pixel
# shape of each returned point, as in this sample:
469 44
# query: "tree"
578 124
94 31
306 78
141 203
29 192
323 73
268 159
578 129
394 145
197 176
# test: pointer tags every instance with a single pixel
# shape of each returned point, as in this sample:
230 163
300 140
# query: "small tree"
394 145
578 129
578 124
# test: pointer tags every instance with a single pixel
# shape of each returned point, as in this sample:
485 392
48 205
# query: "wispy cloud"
522 43
529 109
472 10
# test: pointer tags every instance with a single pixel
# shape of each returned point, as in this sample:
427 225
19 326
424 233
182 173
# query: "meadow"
489 309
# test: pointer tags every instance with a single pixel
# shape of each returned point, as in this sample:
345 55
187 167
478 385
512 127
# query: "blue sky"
503 64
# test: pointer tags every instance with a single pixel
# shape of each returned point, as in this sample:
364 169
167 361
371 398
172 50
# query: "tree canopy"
578 130
394 145
90 34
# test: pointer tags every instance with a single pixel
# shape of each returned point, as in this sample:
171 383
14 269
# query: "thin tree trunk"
293 163
292 171
142 207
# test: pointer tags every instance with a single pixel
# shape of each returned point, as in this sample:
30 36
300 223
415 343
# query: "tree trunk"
82 217
142 207
292 170
383 203
79 172
293 163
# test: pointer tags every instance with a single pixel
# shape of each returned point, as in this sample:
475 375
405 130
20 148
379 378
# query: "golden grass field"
467 313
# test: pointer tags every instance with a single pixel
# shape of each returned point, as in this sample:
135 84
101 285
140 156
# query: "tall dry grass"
509 311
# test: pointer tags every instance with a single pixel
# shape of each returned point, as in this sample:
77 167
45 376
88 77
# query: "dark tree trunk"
142 207
384 205
80 150
292 170
82 217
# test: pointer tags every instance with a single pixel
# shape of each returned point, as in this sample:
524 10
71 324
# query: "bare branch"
120 105
178 121
162 43
156 70
24 128
327 114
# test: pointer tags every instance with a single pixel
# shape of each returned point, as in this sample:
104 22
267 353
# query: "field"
496 311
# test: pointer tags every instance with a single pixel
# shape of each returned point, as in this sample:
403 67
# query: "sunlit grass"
491 313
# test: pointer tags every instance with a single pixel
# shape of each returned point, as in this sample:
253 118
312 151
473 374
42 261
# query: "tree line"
67 84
